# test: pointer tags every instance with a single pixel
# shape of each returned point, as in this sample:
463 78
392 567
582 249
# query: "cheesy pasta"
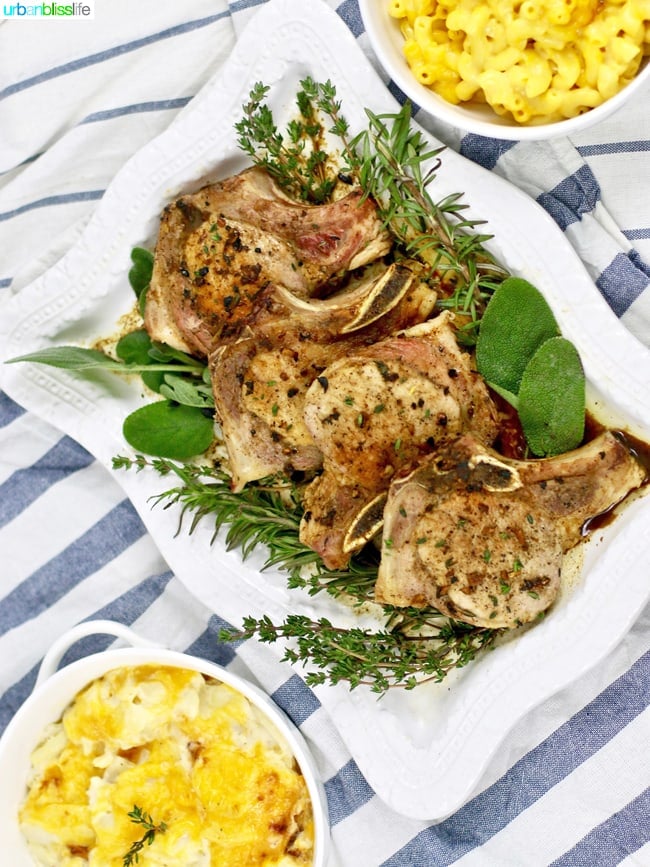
534 61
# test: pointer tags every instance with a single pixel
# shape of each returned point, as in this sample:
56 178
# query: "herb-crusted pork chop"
261 380
375 414
222 246
481 537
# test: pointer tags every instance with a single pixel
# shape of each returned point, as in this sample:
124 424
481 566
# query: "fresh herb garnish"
395 165
516 322
140 273
178 427
551 400
521 355
299 162
138 816
417 647
169 429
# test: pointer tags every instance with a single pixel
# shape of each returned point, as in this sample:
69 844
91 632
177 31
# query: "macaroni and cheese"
534 61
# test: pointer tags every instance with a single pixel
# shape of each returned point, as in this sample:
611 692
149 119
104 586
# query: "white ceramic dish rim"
386 41
423 752
54 689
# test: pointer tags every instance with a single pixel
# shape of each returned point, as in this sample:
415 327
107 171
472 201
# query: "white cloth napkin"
77 99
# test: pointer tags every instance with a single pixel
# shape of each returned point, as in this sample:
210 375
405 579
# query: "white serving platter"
424 751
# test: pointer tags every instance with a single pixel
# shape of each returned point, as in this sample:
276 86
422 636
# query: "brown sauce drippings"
641 451
511 443
639 448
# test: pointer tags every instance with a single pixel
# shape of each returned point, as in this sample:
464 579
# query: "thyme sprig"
414 650
139 817
300 163
415 645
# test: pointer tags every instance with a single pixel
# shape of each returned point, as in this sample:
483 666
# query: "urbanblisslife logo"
48 11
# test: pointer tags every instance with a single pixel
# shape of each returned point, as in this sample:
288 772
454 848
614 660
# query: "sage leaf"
166 430
552 399
136 348
516 322
164 354
140 275
70 358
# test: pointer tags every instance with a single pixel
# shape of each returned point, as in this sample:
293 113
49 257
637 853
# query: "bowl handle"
56 652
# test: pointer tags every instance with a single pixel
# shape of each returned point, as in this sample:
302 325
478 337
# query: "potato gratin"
190 752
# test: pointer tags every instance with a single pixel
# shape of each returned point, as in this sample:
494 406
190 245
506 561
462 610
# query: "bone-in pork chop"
375 414
260 381
219 248
481 537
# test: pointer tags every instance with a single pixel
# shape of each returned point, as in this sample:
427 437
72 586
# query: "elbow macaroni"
534 61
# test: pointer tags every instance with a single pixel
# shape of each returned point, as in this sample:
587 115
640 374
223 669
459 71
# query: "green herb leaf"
552 399
516 322
139 817
134 347
183 390
167 430
163 354
141 270
71 358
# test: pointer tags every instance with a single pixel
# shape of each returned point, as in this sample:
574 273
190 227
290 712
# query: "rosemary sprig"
415 645
138 816
395 165
262 514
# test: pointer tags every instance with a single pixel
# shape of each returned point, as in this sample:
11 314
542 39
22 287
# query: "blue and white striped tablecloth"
570 784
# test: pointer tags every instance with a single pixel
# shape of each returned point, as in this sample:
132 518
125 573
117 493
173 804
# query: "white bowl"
55 689
387 43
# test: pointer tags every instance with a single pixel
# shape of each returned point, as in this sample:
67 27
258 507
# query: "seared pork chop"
260 381
481 537
386 405
375 414
219 248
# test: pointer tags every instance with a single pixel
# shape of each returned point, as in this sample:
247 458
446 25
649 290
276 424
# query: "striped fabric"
569 785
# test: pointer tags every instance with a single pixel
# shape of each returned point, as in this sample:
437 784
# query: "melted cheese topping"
189 751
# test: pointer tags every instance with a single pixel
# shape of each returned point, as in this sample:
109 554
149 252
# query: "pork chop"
261 380
220 247
375 414
481 538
